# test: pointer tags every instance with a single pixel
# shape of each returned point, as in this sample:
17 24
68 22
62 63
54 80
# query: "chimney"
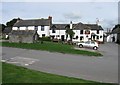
71 25
50 18
18 19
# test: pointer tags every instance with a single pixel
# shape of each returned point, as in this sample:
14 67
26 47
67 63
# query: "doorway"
62 37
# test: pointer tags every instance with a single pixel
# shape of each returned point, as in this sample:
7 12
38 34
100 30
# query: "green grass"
52 47
17 74
0 72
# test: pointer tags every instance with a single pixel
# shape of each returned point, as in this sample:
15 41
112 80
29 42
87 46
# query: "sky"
62 12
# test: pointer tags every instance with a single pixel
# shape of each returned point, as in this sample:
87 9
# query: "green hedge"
45 39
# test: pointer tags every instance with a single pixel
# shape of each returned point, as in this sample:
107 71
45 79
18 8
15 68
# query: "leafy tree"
2 27
12 22
69 32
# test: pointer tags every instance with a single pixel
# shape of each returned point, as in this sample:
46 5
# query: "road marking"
22 60
3 60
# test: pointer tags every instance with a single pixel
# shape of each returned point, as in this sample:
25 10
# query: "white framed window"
42 28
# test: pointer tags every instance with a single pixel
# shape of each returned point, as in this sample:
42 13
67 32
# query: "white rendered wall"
30 27
14 28
24 28
46 31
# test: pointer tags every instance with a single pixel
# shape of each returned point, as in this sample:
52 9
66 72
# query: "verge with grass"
18 74
52 47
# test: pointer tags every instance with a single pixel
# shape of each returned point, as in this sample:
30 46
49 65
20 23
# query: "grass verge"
52 47
17 74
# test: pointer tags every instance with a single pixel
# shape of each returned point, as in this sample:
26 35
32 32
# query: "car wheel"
80 46
95 48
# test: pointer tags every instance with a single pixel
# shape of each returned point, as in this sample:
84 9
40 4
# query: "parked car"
89 44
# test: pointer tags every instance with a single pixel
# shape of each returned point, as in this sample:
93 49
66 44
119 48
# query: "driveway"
101 69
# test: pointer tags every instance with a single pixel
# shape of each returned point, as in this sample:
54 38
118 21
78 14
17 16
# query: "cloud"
73 16
109 23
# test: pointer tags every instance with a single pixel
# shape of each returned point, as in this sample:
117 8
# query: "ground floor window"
81 37
97 37
57 36
43 35
101 36
52 36
76 37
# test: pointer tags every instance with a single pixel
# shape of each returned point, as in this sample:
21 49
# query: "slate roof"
78 26
94 26
59 26
116 29
33 22
23 32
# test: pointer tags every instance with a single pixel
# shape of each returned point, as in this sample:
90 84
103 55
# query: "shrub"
45 39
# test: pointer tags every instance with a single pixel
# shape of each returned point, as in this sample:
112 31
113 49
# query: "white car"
88 44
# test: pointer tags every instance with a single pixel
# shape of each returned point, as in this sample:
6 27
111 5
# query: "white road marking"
22 60
3 60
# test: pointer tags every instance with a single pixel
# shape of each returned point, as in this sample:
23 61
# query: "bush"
45 39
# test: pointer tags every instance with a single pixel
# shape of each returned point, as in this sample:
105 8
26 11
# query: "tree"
69 32
12 22
2 27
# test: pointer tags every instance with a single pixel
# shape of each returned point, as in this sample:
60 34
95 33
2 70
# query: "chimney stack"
50 18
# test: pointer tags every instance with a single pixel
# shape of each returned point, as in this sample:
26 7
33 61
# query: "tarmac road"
102 69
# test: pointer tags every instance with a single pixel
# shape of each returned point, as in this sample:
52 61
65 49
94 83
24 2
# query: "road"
102 69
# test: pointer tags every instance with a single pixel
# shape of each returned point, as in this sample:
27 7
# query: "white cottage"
41 25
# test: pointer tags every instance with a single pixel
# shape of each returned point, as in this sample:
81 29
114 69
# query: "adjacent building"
83 32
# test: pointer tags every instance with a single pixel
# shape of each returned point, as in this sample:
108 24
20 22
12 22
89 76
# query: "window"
76 37
57 36
26 28
97 37
81 37
18 28
92 42
81 31
36 27
52 36
101 36
93 37
97 31
87 32
43 35
42 28
88 42
53 30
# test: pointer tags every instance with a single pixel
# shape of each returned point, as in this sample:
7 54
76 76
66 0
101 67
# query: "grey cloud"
109 23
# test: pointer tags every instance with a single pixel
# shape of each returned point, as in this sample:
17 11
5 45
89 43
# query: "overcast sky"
62 12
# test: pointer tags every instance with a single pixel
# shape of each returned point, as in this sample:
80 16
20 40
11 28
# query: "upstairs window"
97 31
87 32
81 31
18 28
53 30
42 28
36 27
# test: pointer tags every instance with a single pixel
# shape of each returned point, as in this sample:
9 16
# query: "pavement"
101 69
